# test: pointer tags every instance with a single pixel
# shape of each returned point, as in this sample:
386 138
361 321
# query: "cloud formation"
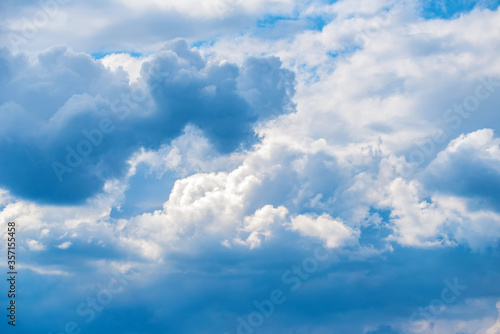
70 123
219 167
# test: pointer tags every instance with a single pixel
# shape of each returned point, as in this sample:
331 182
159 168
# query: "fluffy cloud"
228 165
333 232
34 245
258 225
81 122
469 167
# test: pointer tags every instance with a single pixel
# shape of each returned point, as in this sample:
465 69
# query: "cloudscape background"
227 166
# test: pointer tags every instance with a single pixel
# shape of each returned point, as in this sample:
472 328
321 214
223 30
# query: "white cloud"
417 221
35 245
131 65
332 231
212 8
44 270
480 146
495 329
258 226
360 112
64 245
201 206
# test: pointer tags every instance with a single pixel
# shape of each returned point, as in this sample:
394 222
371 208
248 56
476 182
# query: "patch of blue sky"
384 214
317 22
376 233
271 21
203 43
274 28
147 192
345 51
449 9
100 55
374 236
313 75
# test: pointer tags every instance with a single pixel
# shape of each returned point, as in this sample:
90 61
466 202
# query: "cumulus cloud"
34 245
417 221
333 232
258 226
78 123
223 162
469 167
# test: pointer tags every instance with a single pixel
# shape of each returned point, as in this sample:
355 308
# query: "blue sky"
229 166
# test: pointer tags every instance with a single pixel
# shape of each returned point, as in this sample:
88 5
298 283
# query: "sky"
241 167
